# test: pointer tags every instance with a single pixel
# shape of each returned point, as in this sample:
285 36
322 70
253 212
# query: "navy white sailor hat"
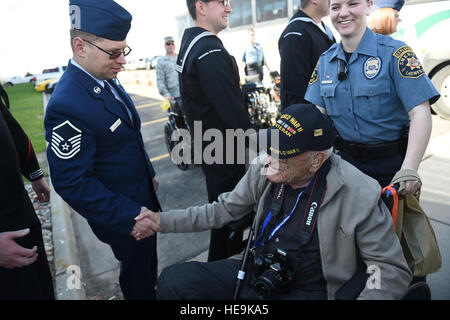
104 18
394 4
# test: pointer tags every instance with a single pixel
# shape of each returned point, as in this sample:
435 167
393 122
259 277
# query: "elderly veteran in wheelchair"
318 218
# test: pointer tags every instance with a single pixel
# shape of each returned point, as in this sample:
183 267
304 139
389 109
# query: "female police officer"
373 88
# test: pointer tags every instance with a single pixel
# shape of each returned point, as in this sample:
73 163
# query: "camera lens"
266 285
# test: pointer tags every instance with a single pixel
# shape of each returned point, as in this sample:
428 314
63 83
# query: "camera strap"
318 190
317 187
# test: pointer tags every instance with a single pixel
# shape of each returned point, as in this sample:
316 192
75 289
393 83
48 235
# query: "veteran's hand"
147 224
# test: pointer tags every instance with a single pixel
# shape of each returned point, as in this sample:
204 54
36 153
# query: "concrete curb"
67 265
68 276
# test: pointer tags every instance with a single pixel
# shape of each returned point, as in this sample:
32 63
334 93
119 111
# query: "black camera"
273 272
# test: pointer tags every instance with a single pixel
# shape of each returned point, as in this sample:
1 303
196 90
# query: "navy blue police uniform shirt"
253 54
96 153
253 58
384 81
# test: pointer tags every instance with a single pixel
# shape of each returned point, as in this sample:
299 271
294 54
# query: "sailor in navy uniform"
96 153
24 272
209 84
300 45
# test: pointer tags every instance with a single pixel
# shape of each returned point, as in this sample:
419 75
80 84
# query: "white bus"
425 26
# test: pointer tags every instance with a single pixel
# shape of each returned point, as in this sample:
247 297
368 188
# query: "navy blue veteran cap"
104 18
302 127
394 4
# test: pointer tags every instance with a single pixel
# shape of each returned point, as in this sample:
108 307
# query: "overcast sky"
35 33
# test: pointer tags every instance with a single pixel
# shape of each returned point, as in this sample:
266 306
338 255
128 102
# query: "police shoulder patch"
314 76
407 63
66 140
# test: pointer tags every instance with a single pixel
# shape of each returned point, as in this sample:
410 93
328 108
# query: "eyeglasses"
170 43
223 2
114 55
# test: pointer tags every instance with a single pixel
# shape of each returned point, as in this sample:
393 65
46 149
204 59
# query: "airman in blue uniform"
96 153
376 93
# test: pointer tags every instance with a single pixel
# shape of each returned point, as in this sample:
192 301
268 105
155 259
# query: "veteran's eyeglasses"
113 55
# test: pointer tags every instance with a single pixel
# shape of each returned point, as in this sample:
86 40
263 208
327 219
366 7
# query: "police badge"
372 67
66 140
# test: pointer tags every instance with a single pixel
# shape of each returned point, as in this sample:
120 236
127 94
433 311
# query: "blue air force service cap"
104 18
394 4
302 127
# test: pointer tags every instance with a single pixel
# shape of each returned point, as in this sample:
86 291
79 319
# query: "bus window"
267 10
242 13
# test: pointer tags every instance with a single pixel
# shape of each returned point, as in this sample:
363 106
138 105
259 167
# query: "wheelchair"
418 288
176 121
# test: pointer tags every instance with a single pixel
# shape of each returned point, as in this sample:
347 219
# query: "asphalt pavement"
181 189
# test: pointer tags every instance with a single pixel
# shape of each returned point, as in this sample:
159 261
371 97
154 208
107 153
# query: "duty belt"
371 151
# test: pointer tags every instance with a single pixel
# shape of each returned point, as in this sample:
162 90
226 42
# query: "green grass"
27 108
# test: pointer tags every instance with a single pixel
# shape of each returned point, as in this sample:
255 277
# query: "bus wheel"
442 82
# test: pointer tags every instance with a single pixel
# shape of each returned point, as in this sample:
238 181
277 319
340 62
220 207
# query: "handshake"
147 224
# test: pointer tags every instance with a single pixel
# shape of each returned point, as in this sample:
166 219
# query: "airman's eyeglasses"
114 55
223 2
170 43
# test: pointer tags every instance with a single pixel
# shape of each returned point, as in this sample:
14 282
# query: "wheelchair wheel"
183 166
168 130
167 135
418 291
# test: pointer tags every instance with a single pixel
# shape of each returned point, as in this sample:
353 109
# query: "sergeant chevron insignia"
66 140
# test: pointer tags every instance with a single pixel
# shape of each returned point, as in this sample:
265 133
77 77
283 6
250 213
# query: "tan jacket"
352 215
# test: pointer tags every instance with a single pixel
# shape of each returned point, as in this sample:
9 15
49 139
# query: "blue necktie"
122 103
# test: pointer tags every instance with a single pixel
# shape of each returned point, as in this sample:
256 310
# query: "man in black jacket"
304 39
209 85
24 270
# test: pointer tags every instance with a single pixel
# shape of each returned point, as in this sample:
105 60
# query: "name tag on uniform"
327 82
115 125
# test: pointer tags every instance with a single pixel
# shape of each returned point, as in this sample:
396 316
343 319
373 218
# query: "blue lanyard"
266 221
